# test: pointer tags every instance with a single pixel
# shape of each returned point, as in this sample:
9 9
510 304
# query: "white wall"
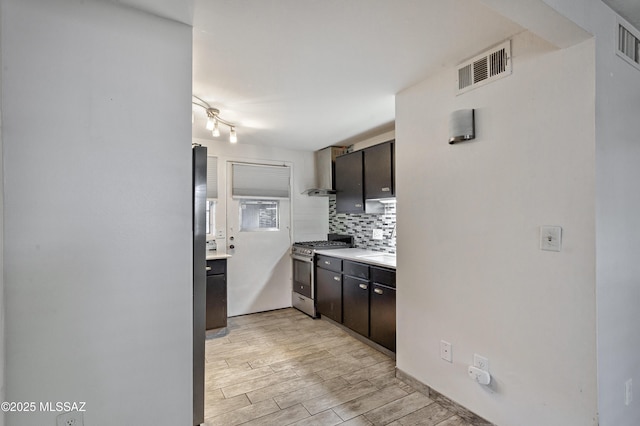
618 227
310 218
2 304
383 137
617 213
97 214
470 270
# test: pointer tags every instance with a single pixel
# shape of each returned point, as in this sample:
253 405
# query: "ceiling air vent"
628 45
485 68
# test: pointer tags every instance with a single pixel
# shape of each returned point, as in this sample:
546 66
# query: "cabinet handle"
363 286
336 278
358 205
208 268
377 291
326 262
385 189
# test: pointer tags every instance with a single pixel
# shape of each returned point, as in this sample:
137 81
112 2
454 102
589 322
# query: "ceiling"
628 9
305 74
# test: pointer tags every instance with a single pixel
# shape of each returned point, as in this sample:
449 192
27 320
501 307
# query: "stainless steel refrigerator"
199 278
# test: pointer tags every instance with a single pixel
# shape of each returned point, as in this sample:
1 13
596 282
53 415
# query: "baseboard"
446 402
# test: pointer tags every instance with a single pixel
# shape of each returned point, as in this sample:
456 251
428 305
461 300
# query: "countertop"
214 254
376 258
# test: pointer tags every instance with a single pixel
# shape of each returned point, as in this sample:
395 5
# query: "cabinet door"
216 301
355 304
379 171
329 294
383 316
349 183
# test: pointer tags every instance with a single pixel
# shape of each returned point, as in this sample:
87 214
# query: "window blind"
212 177
260 181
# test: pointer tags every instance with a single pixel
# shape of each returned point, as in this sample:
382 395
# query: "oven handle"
302 258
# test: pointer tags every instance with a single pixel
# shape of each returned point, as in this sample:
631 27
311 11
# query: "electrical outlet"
628 392
377 234
445 351
72 418
550 238
481 362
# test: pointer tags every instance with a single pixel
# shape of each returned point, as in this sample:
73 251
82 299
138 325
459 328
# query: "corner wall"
472 272
617 213
97 186
617 225
2 304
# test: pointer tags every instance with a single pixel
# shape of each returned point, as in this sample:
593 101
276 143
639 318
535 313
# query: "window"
212 177
259 215
212 193
260 182
211 216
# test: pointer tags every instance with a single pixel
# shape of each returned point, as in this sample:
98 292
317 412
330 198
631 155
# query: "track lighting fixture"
213 120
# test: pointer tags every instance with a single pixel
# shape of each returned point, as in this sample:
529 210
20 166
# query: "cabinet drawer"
355 269
330 263
383 276
217 266
303 289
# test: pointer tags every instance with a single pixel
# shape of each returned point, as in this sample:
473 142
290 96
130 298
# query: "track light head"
213 120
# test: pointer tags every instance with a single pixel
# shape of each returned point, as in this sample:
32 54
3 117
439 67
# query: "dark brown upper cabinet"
349 183
379 171
364 175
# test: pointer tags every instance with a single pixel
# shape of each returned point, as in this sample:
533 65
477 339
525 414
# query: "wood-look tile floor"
284 368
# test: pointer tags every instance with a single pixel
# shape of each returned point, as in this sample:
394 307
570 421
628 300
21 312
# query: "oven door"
303 285
303 275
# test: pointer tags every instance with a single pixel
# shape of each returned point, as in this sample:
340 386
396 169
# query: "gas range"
309 247
302 255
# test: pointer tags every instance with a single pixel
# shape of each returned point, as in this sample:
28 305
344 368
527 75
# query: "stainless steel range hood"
325 174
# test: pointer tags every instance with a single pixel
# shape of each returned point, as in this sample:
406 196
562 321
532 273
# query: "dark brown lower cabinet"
356 304
383 316
360 296
216 293
329 294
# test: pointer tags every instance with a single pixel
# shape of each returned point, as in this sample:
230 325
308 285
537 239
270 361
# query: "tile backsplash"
361 226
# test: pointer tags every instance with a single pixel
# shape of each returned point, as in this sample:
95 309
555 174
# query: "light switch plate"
445 351
550 238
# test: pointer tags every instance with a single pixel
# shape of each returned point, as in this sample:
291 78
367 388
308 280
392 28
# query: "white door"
258 239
